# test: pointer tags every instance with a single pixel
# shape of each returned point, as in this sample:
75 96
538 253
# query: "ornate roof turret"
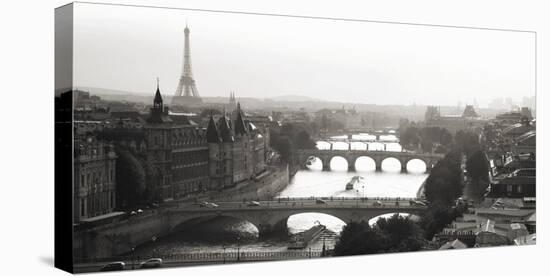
225 130
212 135
240 126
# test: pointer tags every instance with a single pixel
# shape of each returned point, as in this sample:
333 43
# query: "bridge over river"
271 216
351 156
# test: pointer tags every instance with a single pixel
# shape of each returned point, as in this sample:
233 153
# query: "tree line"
289 138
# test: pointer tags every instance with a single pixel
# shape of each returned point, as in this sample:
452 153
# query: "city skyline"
252 63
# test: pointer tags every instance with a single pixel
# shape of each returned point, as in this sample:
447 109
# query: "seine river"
222 234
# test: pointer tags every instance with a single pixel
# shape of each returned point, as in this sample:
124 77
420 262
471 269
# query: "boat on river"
302 239
352 182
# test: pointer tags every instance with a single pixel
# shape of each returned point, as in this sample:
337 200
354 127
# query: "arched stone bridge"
272 216
430 159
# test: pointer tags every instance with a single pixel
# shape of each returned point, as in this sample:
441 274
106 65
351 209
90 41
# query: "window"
519 189
82 180
509 188
82 206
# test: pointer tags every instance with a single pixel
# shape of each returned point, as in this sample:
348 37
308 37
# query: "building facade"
177 152
237 150
468 120
94 178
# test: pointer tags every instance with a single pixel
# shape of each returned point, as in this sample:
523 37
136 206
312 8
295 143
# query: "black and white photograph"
205 137
189 137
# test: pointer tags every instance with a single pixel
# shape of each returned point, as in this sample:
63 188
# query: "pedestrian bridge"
351 156
272 216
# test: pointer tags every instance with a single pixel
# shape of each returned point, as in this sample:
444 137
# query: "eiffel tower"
186 93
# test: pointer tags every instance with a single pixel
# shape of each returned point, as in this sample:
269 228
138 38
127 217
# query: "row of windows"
97 204
510 188
93 178
190 157
191 187
190 172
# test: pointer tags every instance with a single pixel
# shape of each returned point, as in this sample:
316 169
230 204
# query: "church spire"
157 102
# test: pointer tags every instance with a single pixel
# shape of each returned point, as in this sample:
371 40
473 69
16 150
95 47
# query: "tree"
410 137
303 140
477 166
444 184
436 217
130 179
402 233
290 138
467 142
394 234
427 137
359 238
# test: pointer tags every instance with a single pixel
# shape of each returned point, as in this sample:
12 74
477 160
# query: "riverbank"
421 190
121 236
264 187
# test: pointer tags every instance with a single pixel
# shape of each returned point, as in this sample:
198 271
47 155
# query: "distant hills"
286 102
294 98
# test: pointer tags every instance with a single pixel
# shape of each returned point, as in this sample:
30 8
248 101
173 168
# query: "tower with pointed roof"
157 132
159 113
240 126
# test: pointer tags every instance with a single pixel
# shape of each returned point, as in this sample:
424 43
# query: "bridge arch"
365 163
302 221
339 158
314 163
188 222
413 165
395 167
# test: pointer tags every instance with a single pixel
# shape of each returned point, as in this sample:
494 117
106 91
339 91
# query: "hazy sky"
126 48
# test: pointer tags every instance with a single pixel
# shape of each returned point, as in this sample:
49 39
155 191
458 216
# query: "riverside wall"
266 186
120 237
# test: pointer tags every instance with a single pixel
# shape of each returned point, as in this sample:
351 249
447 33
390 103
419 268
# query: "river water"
228 234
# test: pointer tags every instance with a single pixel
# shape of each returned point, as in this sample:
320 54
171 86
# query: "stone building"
178 153
94 178
468 120
512 117
237 150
